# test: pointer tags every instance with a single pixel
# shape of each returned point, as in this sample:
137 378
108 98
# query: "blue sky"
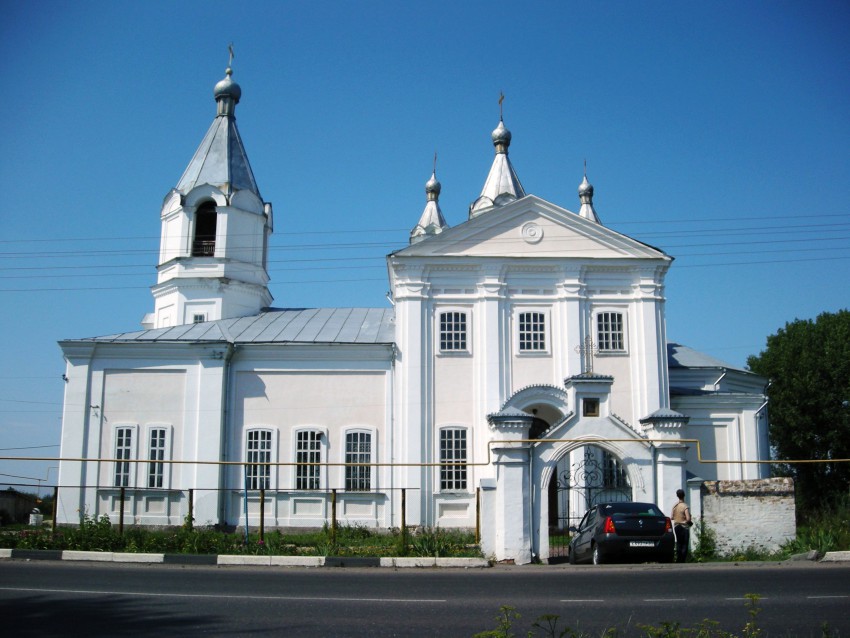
719 132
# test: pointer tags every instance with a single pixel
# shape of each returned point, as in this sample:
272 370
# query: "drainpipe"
655 473
225 417
392 434
531 535
719 379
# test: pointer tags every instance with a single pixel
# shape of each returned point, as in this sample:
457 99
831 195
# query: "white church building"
520 372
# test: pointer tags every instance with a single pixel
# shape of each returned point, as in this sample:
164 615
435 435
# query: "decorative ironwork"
597 478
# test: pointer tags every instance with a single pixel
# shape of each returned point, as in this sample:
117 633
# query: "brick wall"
756 513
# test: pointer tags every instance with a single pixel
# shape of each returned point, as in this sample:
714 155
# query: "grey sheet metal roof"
221 159
679 356
298 325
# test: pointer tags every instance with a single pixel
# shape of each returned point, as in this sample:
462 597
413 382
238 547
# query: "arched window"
205 226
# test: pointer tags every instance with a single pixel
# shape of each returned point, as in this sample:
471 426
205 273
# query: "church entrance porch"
584 477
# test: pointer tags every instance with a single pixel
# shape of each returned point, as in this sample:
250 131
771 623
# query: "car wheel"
597 556
571 555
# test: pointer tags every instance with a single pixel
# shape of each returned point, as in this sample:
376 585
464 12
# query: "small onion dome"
228 87
585 189
227 94
501 138
433 188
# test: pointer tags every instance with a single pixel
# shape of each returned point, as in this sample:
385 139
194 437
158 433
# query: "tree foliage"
808 364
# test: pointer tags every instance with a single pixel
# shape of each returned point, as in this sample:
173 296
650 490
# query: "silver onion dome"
501 138
585 189
228 87
433 188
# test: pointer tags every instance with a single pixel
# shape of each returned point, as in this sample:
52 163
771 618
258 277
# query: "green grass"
100 535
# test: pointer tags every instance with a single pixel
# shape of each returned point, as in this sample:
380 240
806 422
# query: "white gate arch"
632 450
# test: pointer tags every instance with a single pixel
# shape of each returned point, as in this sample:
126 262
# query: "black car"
622 531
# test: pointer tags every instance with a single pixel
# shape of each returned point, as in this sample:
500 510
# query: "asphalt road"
102 599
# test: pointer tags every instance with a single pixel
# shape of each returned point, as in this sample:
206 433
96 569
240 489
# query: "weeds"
546 626
100 535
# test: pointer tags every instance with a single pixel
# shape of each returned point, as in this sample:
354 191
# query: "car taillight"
609 526
668 526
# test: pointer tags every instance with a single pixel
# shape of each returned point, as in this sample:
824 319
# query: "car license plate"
641 544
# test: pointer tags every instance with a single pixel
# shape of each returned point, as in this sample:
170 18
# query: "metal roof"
221 159
298 325
679 356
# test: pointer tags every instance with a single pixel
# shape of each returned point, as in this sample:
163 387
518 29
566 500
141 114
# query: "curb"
836 557
224 560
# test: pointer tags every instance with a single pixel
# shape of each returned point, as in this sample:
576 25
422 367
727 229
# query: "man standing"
682 522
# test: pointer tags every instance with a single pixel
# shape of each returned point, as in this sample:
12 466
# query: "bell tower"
213 250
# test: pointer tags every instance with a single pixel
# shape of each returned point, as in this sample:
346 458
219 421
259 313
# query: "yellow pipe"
584 441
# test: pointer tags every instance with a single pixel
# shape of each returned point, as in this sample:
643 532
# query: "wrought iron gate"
597 478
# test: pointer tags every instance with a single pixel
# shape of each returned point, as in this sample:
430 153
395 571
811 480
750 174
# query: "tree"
808 364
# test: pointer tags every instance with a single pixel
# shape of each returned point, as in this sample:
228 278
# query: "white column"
670 474
75 424
414 425
510 502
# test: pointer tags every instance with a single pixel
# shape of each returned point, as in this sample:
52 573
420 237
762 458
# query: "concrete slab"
297 561
230 559
836 557
127 557
71 554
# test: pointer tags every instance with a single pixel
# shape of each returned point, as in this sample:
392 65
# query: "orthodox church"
520 373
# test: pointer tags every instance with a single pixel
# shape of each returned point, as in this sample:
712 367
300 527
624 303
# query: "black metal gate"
597 478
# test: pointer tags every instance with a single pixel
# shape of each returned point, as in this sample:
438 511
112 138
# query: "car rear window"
644 509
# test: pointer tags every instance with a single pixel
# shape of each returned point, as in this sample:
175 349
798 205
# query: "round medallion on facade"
531 232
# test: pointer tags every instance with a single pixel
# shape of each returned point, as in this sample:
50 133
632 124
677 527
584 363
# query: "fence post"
121 513
333 516
262 512
190 518
477 515
404 520
55 506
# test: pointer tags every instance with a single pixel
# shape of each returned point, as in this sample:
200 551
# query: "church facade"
520 373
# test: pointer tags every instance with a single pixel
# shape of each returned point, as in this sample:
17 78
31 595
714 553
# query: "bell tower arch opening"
206 221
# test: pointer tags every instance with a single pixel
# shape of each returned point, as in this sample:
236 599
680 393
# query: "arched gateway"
557 452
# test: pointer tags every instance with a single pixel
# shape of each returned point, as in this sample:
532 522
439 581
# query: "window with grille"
156 456
452 331
609 332
258 450
614 475
532 332
123 452
453 451
358 449
308 450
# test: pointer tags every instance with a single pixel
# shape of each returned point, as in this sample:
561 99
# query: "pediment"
531 227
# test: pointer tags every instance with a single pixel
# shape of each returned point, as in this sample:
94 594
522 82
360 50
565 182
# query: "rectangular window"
123 452
358 449
532 332
609 332
452 331
453 450
199 317
156 456
590 407
308 450
259 450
